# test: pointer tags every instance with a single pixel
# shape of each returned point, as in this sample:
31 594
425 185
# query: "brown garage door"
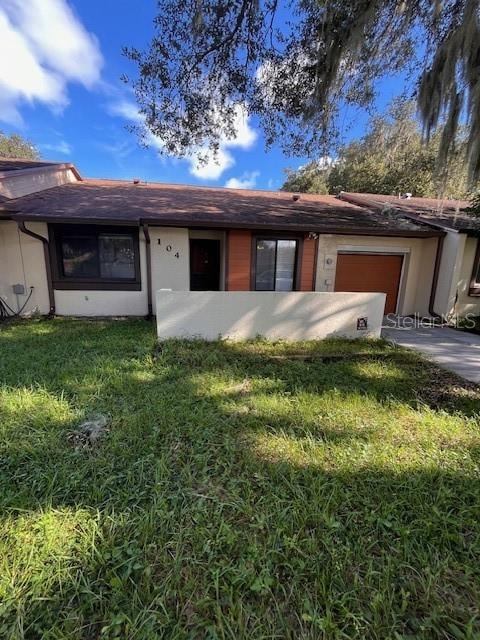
370 272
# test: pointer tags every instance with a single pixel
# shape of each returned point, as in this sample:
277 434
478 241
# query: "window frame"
56 233
474 289
297 264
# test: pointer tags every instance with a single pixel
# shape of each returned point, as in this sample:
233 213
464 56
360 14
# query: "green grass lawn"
239 492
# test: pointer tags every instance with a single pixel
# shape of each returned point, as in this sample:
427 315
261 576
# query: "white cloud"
325 162
213 167
245 138
129 111
126 109
246 181
203 164
62 147
43 46
120 149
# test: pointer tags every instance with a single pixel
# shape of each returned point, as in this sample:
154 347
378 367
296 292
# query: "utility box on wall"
18 289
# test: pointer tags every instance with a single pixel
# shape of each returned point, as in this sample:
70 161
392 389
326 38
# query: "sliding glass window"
275 264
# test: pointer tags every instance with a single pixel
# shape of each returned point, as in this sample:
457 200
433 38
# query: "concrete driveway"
454 350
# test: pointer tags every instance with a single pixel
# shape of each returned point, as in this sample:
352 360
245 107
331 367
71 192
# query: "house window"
475 283
275 264
90 257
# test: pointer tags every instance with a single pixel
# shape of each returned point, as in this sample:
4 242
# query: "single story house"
88 247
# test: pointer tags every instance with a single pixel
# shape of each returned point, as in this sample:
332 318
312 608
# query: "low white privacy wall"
240 315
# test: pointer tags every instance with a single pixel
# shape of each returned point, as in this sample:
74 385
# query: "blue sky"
60 68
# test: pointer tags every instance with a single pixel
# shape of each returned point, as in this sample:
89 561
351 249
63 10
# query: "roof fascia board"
17 216
209 224
295 227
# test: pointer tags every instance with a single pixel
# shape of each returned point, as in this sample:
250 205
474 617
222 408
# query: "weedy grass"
240 492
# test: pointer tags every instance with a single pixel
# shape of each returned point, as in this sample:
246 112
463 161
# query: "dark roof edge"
379 206
50 166
209 224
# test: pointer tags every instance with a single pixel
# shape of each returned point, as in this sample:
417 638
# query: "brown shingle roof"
446 214
167 204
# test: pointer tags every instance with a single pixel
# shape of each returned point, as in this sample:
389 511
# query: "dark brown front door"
370 272
204 265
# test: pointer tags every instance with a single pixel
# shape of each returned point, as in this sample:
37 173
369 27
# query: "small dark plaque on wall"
362 324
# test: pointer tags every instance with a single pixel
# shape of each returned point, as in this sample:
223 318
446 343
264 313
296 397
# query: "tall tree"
15 146
294 63
310 178
390 158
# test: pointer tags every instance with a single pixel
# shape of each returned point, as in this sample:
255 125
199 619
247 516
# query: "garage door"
370 272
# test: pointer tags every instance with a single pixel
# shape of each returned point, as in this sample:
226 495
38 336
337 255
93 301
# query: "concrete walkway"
454 350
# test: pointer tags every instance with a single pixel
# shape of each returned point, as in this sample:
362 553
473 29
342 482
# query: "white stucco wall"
449 272
418 267
169 248
466 303
246 314
22 262
170 264
101 303
106 303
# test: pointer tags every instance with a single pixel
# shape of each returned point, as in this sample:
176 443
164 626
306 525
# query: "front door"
204 265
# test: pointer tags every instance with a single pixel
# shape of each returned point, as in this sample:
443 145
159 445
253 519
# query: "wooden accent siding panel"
307 269
239 260
371 273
